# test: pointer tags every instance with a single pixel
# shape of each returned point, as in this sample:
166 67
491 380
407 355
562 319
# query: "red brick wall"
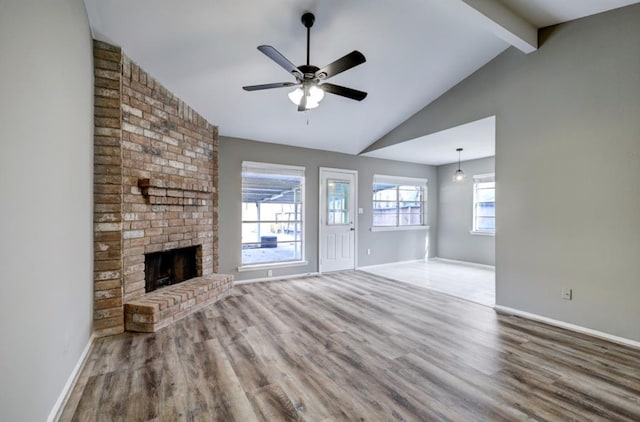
146 136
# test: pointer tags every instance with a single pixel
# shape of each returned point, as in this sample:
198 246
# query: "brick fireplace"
155 190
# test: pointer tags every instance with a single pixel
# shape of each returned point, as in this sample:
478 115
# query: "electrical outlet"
269 273
567 294
368 251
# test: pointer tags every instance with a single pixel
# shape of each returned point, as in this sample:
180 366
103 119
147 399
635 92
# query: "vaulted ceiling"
205 51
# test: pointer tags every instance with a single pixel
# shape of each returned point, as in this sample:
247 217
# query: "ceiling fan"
310 90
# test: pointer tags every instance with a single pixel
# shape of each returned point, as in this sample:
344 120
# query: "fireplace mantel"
167 192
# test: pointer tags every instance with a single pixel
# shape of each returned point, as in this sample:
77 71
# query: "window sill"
476 233
398 228
252 267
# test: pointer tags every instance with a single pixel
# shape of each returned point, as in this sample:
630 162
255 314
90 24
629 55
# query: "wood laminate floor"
352 346
465 280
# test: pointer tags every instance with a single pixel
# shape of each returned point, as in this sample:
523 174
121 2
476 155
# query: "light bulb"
316 95
296 95
458 176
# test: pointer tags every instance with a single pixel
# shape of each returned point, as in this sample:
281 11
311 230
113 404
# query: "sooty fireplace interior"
171 267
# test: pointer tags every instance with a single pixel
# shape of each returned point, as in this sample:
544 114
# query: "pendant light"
459 174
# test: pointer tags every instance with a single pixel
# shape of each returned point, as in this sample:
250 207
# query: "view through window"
338 202
484 204
399 201
272 213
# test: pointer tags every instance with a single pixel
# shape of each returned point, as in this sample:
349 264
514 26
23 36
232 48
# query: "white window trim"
399 180
397 228
486 177
292 170
282 264
482 233
273 166
480 178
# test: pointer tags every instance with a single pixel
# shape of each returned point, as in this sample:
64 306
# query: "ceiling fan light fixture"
308 76
316 94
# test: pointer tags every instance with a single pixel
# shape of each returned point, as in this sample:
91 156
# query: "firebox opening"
170 267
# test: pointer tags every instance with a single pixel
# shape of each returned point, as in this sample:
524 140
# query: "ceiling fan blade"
303 101
352 59
268 86
277 57
343 91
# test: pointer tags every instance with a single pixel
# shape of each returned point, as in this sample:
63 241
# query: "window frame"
399 181
279 169
477 179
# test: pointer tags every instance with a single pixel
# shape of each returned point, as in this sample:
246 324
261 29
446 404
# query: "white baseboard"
273 278
568 326
471 264
411 261
56 411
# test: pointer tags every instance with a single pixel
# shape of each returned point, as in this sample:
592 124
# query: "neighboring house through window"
272 214
399 202
484 204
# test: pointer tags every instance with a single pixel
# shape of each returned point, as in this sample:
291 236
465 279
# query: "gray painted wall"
46 116
455 215
568 166
385 246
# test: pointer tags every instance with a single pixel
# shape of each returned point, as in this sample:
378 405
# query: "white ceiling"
476 138
542 13
205 51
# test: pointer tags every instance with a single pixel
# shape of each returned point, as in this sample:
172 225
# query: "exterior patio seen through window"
272 213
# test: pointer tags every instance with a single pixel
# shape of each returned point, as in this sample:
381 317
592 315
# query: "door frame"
321 210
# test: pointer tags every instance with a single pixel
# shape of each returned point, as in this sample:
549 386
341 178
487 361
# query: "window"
399 202
338 206
272 214
484 204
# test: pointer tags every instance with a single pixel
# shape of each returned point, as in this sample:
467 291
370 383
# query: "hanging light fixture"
458 176
316 95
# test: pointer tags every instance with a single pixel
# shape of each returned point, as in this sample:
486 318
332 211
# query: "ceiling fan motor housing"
309 71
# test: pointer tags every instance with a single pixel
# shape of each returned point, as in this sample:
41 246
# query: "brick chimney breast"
155 189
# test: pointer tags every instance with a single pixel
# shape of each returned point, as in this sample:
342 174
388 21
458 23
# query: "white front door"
337 219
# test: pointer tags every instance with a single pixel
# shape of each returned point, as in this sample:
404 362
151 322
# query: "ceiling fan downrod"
307 20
